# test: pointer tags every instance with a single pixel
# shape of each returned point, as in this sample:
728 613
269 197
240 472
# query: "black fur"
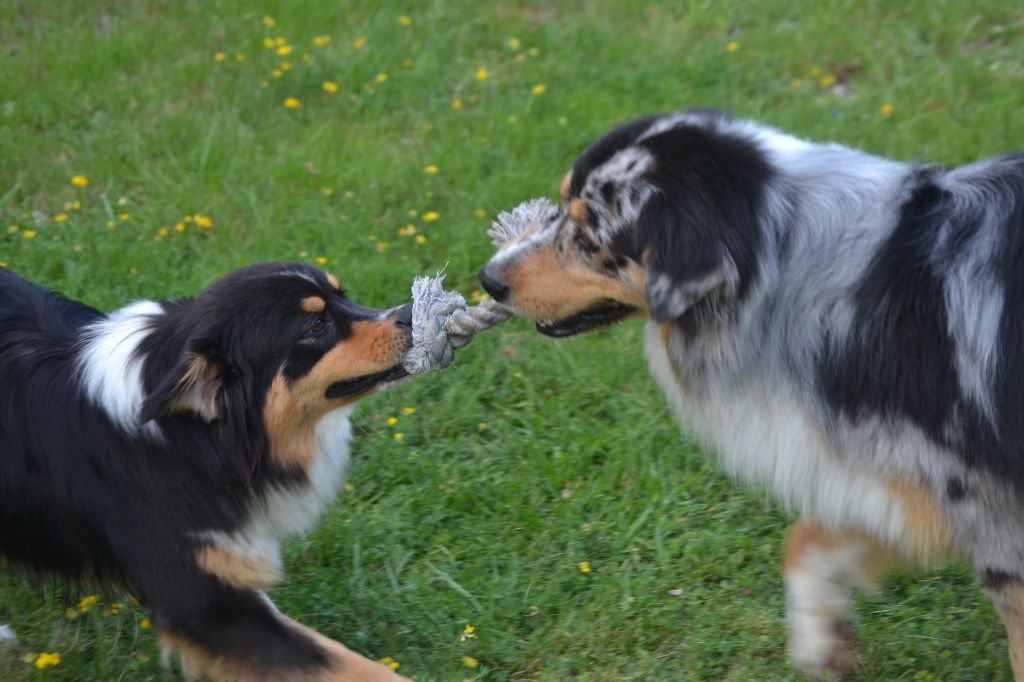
83 498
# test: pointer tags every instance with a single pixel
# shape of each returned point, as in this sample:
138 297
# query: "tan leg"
821 567
1009 601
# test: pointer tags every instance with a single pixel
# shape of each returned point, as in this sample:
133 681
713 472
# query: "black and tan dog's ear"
683 255
193 386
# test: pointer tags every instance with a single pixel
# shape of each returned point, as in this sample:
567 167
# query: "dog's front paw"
822 647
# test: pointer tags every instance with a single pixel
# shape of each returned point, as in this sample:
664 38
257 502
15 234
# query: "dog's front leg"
821 568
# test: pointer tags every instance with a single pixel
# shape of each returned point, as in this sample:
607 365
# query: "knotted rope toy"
441 320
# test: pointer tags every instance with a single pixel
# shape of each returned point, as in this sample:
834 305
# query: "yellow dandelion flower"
284 50
405 20
79 181
539 89
330 86
180 227
204 221
828 81
407 231
3 264
515 43
398 436
187 218
470 662
816 71
239 57
145 624
111 225
481 74
320 41
219 57
269 43
320 260
732 46
382 246
124 216
480 213
456 104
292 103
409 410
60 217
887 109
430 216
389 662
76 205
279 41
381 77
481 426
28 234
584 567
269 22
12 229
359 43
114 608
421 239
430 170
391 421
286 66
277 73
164 231
88 602
46 660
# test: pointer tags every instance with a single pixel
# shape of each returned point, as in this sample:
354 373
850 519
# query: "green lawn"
529 456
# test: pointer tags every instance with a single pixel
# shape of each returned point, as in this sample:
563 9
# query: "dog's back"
39 455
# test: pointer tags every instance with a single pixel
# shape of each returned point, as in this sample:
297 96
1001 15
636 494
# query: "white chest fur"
291 510
767 439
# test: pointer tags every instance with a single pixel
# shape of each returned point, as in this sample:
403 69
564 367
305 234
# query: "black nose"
403 317
493 285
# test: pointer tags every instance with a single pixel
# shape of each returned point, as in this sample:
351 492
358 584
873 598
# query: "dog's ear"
685 258
194 386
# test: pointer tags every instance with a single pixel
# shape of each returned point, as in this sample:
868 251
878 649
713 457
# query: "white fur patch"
111 368
766 439
291 510
817 598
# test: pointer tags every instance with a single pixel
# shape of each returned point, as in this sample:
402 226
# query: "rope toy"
441 320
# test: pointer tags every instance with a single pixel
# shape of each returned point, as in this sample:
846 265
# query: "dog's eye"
318 326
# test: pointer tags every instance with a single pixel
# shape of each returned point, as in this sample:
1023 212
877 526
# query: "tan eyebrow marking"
314 304
563 189
333 281
578 211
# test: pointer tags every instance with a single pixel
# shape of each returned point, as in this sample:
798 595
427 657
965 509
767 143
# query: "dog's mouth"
600 315
365 384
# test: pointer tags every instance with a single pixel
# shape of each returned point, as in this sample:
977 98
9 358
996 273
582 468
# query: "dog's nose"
403 317
493 284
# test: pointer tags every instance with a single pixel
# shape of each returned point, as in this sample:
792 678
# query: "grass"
529 456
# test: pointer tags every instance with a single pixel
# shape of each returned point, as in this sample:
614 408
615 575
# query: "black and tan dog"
169 446
845 330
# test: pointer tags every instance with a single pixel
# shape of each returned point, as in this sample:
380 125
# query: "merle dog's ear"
192 386
685 259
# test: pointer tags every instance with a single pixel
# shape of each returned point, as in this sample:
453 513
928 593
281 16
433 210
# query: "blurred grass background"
530 456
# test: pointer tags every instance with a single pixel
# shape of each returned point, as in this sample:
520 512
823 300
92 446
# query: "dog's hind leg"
1008 596
821 568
